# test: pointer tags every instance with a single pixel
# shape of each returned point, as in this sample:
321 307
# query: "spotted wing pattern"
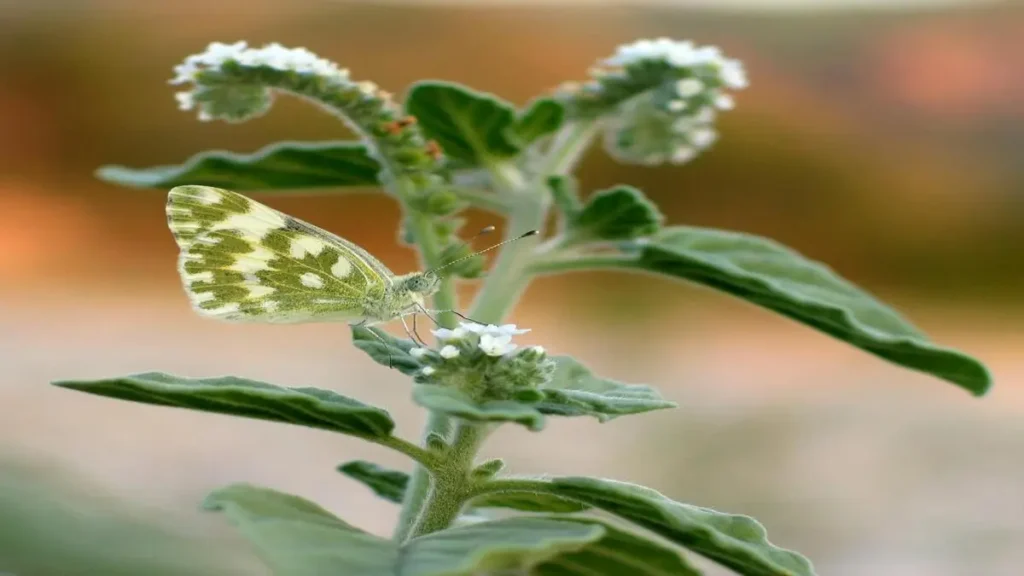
241 261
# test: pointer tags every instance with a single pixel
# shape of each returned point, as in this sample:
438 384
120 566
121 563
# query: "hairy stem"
450 488
419 483
530 202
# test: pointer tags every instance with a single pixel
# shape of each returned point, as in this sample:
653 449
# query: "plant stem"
423 457
419 483
529 210
433 503
582 263
451 486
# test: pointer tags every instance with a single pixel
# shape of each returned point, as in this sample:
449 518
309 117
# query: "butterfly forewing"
243 261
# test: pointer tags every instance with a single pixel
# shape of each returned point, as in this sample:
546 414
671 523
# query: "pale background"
885 140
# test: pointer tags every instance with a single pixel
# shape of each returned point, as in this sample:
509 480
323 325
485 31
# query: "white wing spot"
342 267
200 297
258 291
269 305
251 227
183 226
207 196
311 280
225 309
204 276
302 245
252 262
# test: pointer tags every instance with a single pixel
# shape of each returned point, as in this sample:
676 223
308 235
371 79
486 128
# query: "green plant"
446 149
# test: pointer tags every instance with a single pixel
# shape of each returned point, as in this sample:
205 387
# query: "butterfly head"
423 284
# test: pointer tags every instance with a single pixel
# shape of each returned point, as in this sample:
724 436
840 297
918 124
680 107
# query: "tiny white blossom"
705 116
418 352
689 87
724 102
703 137
474 327
449 352
493 345
427 370
185 100
538 349
683 154
732 74
510 329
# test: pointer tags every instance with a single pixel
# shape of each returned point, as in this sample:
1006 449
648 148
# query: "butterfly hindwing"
243 261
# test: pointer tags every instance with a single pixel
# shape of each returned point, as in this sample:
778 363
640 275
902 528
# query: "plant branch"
582 263
419 483
425 458
450 488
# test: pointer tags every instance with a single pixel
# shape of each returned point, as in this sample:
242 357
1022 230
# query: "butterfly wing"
241 261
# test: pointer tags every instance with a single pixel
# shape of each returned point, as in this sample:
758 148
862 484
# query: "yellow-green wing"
242 261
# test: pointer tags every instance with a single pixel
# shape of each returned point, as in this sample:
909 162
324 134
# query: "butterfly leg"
391 359
456 312
413 334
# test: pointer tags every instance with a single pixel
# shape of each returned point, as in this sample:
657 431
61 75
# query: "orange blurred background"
887 143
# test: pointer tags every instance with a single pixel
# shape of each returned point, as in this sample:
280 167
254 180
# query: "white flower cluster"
681 54
274 55
674 121
492 340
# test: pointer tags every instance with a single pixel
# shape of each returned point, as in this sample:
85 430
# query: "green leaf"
514 545
544 116
768 274
620 213
529 502
618 553
734 541
391 485
385 349
386 483
298 538
575 391
311 407
281 166
459 405
475 128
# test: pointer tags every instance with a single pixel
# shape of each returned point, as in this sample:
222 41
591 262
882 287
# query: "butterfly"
241 261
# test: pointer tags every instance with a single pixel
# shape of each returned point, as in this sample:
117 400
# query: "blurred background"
885 138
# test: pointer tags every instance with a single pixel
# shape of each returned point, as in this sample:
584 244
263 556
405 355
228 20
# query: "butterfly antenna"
488 249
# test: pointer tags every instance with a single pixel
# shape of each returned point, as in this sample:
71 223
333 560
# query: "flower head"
496 345
660 98
418 352
449 352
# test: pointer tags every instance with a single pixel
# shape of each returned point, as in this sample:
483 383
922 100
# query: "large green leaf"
311 407
619 213
295 537
298 538
737 542
770 275
618 552
475 128
281 166
385 349
391 485
459 405
575 391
